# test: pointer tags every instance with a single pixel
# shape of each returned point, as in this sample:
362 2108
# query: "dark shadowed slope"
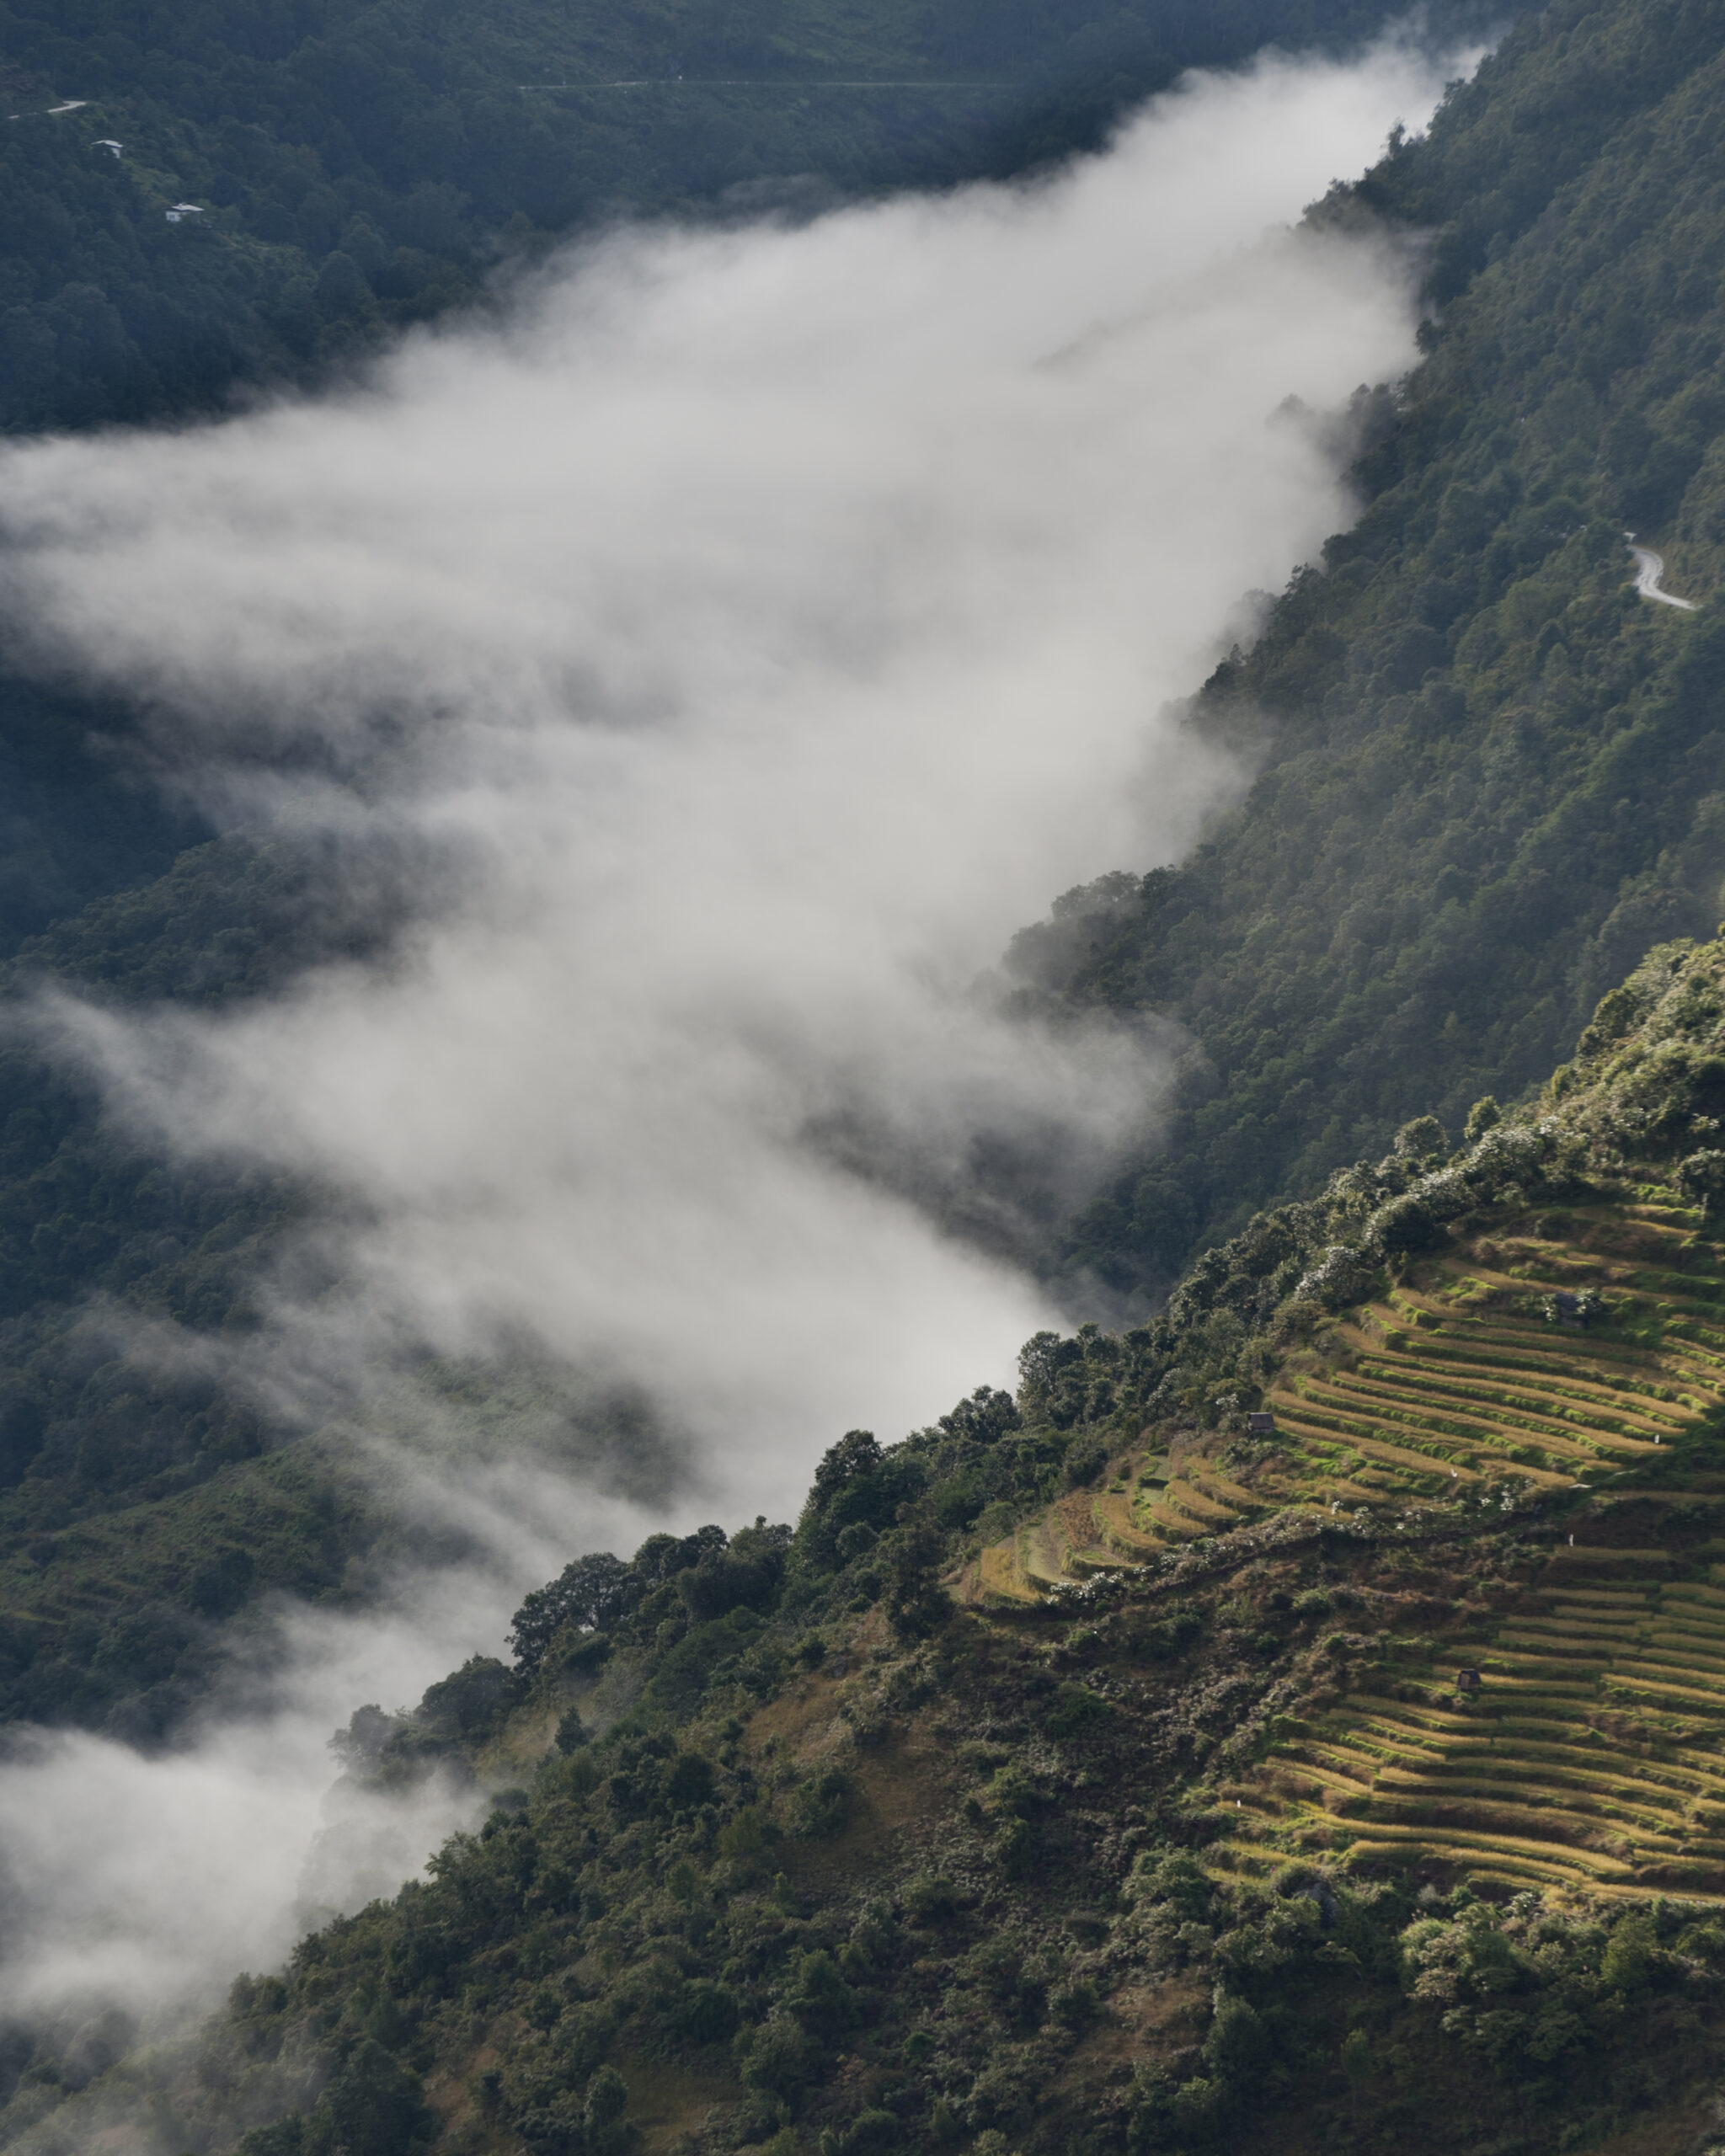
353 168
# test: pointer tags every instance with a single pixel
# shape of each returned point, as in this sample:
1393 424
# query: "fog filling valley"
747 633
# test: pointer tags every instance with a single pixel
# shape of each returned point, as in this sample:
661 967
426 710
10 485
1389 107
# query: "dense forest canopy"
1490 773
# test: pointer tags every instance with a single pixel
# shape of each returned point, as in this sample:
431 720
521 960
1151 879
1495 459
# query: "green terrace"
1576 1741
1588 1757
1457 1386
1459 1376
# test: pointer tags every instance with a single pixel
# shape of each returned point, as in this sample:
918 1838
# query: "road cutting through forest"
1650 567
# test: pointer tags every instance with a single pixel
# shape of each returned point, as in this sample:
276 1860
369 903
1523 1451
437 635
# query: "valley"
548 640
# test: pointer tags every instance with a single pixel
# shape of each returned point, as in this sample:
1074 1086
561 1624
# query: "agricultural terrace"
1592 1753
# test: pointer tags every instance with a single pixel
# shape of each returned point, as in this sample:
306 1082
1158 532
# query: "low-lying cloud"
755 628
760 625
145 1883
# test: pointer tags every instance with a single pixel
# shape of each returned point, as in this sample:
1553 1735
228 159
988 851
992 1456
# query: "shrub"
1340 1279
283 2136
1702 1179
1405 1225
778 2059
689 1784
1074 2005
1076 1709
744 1840
1422 1140
930 1899
1629 1955
604 2132
1171 1636
583 1656
1012 1847
1086 1458
706 2012
819 1805
1176 1879
816 1995
1188 2114
1238 2045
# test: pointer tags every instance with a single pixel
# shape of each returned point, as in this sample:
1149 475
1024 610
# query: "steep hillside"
1558 1365
1491 772
1103 1769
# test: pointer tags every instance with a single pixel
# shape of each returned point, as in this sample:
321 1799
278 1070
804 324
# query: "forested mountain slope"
1492 774
360 168
353 168
1373 1798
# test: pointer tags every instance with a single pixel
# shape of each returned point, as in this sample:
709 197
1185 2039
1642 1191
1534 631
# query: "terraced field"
1456 1388
1590 1757
1138 1516
1593 1753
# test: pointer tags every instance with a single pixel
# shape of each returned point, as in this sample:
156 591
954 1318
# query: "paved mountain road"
1649 569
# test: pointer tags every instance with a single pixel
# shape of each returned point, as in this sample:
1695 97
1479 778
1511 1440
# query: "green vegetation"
605 1965
1378 1797
129 1483
119 1621
1490 782
1296 1720
1491 775
73 827
359 168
